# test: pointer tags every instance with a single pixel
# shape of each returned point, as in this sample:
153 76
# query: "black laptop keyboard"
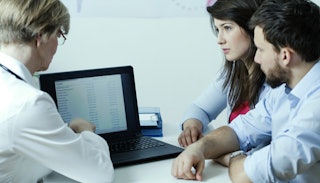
134 144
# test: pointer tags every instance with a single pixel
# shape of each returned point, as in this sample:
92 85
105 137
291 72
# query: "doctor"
34 138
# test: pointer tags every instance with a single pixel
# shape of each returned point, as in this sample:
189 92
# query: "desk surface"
158 171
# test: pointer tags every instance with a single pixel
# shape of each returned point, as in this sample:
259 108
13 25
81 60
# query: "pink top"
242 109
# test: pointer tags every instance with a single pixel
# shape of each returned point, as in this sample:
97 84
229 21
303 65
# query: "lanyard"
8 70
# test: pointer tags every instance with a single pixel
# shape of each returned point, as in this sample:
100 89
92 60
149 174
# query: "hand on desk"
188 159
192 132
221 141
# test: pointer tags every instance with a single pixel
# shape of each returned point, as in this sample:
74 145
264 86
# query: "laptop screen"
105 97
98 99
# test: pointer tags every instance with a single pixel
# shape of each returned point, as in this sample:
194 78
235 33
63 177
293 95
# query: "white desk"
158 171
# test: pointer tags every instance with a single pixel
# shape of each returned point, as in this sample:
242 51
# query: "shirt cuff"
257 166
238 127
197 113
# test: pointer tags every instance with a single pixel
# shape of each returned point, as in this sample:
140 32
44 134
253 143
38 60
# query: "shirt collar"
311 79
18 68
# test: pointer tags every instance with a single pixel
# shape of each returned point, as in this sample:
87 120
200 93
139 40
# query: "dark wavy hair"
243 85
294 24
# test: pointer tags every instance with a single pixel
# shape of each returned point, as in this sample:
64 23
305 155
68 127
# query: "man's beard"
277 76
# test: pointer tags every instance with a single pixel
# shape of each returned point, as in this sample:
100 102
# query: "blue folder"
150 121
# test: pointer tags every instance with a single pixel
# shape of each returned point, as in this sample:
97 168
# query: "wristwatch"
236 153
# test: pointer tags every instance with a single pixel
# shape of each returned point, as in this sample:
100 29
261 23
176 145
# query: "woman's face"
234 41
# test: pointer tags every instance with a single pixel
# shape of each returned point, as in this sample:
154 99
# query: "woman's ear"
38 39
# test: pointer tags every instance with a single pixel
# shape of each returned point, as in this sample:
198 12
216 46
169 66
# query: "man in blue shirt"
284 128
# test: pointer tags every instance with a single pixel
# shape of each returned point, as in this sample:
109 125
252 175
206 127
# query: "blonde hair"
22 20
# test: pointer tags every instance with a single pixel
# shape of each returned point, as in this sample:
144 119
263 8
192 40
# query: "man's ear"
286 55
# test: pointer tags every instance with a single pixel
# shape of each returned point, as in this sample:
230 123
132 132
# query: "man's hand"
221 141
80 125
192 132
190 158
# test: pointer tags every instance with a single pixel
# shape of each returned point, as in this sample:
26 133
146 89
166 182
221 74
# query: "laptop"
107 98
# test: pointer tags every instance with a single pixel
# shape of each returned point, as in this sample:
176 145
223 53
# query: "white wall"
174 58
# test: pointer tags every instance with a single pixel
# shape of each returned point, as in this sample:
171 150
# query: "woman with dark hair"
240 84
287 119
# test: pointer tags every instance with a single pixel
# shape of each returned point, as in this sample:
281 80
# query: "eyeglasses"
61 38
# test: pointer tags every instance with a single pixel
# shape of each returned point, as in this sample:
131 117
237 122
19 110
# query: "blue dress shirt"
288 121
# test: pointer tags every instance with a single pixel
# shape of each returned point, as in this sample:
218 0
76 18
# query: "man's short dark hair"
290 23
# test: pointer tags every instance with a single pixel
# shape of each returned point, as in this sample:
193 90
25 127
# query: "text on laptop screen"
98 99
